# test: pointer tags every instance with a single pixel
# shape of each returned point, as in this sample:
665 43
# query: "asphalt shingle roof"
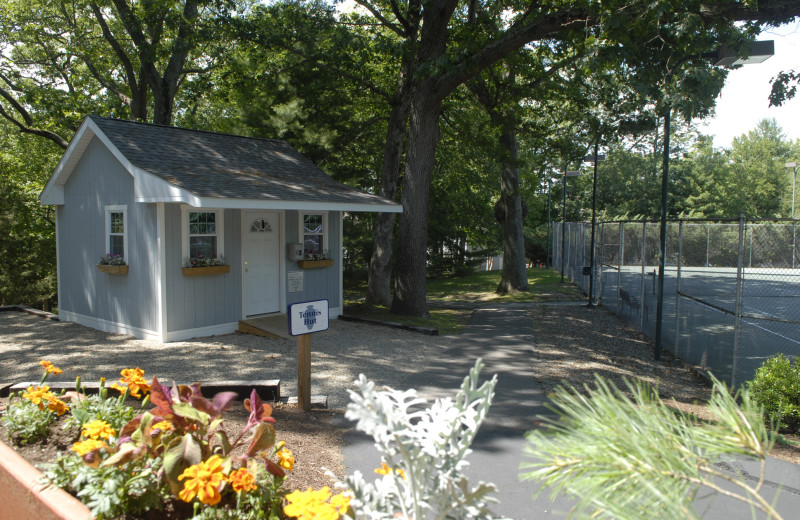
215 165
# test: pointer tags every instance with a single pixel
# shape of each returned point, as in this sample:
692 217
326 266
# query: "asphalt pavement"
502 336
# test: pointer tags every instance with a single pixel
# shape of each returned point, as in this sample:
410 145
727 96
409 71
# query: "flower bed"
105 442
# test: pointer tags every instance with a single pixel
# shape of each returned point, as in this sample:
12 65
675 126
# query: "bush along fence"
731 295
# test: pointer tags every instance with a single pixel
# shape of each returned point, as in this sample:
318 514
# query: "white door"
261 257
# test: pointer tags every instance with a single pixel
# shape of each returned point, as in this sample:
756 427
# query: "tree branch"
130 73
27 129
377 14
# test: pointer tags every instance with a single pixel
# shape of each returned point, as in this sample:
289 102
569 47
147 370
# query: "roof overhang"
149 188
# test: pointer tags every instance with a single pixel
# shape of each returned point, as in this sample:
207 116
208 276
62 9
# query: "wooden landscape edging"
25 497
430 331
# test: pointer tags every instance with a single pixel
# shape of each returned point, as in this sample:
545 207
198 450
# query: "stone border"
422 330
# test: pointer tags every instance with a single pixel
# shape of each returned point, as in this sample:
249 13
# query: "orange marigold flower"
203 480
57 406
386 470
52 369
85 446
133 380
98 430
242 480
35 394
285 459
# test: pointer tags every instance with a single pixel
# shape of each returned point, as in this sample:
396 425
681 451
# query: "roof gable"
200 168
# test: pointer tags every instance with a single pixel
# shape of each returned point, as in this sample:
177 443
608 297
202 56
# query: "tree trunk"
412 237
515 275
380 264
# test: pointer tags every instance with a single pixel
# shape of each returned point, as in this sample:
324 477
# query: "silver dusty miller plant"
423 452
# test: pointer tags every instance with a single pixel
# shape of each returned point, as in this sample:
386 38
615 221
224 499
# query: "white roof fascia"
311 205
151 188
53 192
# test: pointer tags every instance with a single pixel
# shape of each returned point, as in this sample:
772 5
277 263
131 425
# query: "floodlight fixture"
755 52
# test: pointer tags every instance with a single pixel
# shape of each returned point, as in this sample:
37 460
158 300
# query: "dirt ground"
571 343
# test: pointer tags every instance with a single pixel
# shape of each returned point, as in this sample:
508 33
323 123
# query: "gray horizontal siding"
318 284
202 301
97 181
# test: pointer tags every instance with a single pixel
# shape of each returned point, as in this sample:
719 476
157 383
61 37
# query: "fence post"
644 268
601 260
620 261
678 287
708 240
737 319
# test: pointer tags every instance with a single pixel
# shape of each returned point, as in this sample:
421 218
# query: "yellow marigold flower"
242 480
85 446
35 394
203 480
133 380
98 430
314 505
57 406
45 363
164 426
285 459
341 501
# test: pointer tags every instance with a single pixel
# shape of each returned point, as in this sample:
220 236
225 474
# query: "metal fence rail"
731 288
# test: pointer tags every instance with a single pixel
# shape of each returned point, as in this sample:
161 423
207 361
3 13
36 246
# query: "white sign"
295 281
308 317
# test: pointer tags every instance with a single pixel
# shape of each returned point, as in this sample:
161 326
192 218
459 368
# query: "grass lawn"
545 285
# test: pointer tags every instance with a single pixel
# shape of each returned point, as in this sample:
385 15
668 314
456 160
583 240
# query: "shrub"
776 387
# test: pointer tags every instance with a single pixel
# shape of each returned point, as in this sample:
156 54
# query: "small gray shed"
160 196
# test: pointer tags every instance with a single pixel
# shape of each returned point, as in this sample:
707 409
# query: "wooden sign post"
305 318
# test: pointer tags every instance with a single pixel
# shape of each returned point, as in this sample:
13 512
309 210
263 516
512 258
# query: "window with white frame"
314 234
116 231
202 233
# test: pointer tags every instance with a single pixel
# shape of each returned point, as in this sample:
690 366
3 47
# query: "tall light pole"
549 246
596 158
758 52
567 173
793 164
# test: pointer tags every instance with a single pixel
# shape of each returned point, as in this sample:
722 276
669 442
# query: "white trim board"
202 332
150 335
108 326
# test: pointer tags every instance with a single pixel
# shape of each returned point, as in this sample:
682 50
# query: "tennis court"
712 318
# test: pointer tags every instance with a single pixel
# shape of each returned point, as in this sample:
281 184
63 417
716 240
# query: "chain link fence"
731 288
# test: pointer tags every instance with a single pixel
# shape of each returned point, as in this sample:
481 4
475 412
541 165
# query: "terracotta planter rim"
25 497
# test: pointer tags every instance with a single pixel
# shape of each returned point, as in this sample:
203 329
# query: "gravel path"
339 355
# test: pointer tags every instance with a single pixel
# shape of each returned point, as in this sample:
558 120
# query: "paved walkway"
502 336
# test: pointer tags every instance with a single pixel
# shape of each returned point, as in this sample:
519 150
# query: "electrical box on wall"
295 251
